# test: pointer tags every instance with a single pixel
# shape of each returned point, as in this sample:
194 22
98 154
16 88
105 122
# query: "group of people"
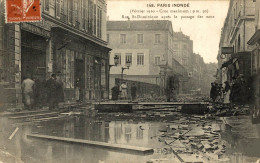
235 92
34 92
122 91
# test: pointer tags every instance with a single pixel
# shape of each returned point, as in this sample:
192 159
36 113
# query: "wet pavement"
173 136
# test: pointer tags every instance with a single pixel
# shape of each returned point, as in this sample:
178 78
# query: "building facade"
148 45
237 30
69 40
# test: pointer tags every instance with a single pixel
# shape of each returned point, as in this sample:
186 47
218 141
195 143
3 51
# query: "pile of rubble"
195 136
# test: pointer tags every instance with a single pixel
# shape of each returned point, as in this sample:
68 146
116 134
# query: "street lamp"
128 62
116 61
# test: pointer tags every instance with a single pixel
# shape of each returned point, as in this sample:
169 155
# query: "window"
90 19
157 38
85 14
157 60
140 38
108 38
58 8
123 38
70 7
119 58
95 19
140 59
128 57
99 22
75 12
47 5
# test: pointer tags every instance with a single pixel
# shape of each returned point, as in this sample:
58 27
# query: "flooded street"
194 138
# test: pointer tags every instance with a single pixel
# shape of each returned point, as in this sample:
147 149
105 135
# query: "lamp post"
116 61
128 62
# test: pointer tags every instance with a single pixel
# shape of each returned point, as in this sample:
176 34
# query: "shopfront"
82 65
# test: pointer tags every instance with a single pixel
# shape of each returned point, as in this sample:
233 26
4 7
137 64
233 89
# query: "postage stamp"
22 10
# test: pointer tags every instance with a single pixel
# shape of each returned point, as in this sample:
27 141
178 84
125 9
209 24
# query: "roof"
139 25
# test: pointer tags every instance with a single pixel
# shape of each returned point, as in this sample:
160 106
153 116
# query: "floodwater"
243 141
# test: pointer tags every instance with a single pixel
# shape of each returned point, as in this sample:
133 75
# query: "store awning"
245 55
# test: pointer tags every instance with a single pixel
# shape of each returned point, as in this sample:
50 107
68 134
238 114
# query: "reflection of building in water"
126 133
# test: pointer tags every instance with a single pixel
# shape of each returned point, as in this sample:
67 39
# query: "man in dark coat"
133 92
213 91
115 92
51 86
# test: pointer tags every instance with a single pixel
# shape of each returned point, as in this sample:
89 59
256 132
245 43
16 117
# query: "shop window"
89 72
128 57
68 69
123 38
140 59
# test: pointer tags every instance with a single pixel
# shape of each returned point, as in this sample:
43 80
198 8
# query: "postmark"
22 10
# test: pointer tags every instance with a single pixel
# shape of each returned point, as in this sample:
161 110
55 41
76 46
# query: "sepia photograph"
129 81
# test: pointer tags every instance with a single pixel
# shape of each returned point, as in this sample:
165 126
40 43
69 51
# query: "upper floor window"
108 38
99 21
157 38
123 38
119 58
128 57
70 10
47 5
140 59
58 8
140 38
157 60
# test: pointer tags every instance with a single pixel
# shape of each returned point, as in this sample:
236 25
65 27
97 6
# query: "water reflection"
243 142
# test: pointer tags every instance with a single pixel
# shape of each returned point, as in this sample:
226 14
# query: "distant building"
70 39
148 45
236 32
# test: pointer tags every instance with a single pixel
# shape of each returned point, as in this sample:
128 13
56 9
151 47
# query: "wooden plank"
149 103
120 147
23 113
34 115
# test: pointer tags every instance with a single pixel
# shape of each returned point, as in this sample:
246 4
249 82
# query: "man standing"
123 89
27 92
51 85
115 92
133 92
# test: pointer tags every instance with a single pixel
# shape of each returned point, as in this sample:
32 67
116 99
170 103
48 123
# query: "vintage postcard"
129 81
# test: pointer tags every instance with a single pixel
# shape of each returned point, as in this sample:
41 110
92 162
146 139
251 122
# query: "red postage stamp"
22 10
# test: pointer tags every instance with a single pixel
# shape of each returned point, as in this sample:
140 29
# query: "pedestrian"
235 92
123 89
115 92
28 92
51 86
227 90
213 91
60 90
133 91
37 92
243 90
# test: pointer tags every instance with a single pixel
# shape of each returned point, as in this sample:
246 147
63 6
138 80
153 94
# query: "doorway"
79 79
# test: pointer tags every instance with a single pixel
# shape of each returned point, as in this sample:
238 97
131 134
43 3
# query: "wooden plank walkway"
34 115
148 103
119 147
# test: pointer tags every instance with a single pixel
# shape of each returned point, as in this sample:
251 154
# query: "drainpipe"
244 35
